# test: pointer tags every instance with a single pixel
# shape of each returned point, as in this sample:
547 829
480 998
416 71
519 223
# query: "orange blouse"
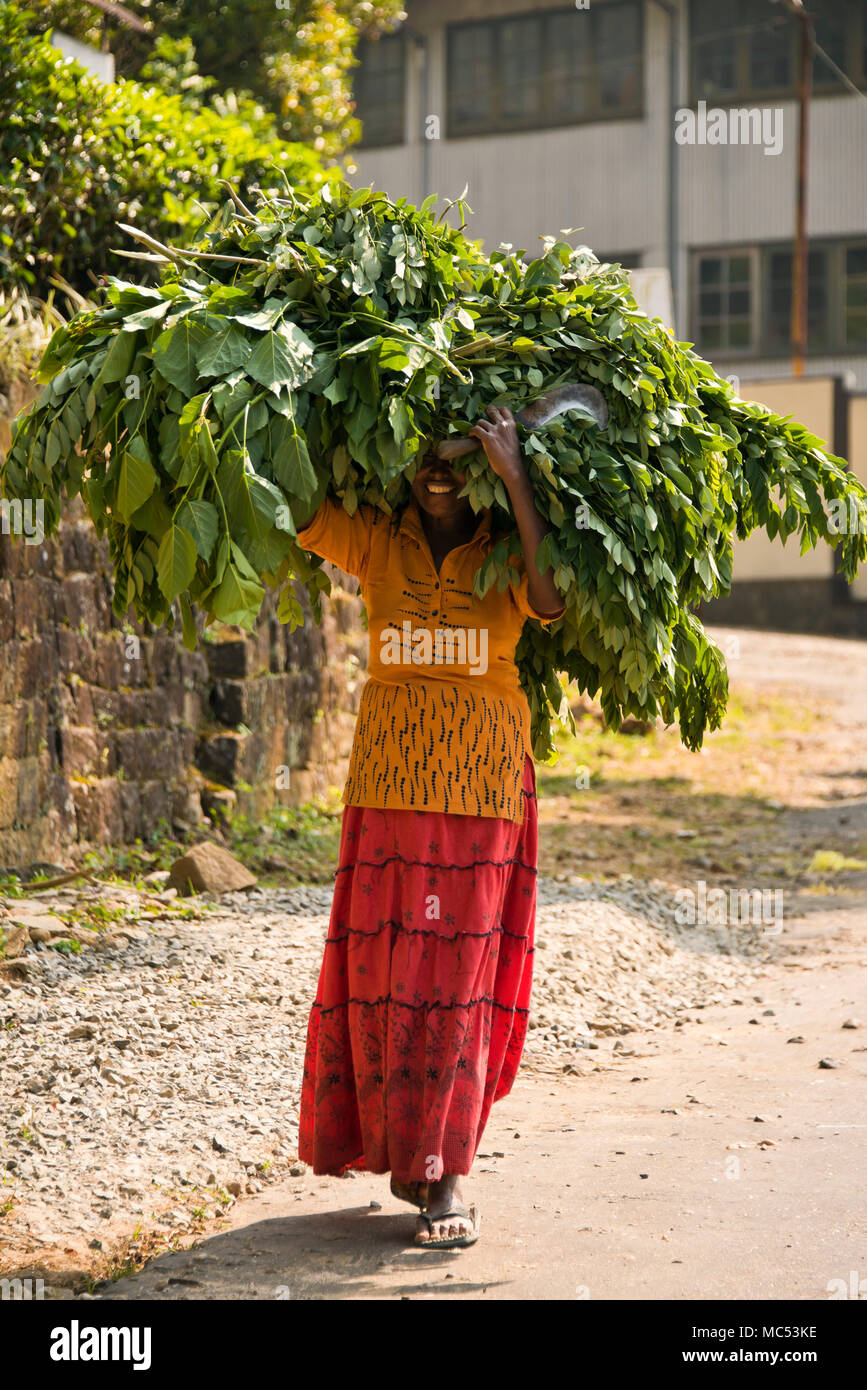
443 723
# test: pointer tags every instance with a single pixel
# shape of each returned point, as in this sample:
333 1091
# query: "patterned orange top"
443 723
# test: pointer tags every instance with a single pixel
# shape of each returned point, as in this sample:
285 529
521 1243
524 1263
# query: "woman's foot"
416 1193
443 1196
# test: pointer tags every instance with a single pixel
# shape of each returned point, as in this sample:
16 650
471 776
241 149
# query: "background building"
565 116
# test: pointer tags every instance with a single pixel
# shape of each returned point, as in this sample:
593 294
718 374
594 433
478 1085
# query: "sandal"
451 1242
403 1192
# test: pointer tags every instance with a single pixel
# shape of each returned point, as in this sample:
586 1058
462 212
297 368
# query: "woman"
421 1009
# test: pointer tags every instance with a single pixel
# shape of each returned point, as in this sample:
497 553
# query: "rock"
82 1032
15 969
84 936
829 1064
851 1023
156 878
219 804
14 939
219 1143
233 1188
208 868
34 916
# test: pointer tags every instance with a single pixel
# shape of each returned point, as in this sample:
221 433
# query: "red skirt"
424 992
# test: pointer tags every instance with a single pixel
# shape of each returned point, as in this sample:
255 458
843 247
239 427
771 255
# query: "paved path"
653 1179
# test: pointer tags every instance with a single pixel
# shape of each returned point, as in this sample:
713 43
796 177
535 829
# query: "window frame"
543 119
836 249
825 84
751 252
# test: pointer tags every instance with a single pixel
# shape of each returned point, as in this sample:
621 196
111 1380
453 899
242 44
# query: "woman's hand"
499 439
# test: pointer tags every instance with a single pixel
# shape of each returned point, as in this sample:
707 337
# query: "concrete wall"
810 401
773 585
858 463
99 63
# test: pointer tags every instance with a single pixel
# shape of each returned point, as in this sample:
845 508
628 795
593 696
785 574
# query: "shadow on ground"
342 1254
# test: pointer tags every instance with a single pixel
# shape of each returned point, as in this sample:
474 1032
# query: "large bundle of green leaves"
316 345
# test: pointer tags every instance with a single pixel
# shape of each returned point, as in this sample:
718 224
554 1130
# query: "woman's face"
437 486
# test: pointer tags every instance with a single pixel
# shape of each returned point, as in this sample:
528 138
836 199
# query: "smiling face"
436 489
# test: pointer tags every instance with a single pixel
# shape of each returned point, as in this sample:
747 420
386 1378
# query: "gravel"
152 1079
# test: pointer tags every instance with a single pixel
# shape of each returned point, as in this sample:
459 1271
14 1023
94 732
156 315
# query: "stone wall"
108 729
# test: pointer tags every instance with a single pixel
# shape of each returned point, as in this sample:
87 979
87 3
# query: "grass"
642 804
290 844
830 861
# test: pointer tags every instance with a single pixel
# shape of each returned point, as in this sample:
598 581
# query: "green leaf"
400 418
292 467
175 352
176 561
238 598
223 352
281 359
191 637
119 359
200 518
137 479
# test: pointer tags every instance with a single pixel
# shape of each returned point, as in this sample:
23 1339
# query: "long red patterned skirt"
422 1003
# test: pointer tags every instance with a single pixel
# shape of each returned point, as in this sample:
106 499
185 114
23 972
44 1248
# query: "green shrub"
78 156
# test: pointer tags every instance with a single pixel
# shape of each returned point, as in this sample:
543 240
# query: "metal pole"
673 212
425 111
798 328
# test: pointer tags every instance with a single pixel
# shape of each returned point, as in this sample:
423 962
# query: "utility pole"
798 330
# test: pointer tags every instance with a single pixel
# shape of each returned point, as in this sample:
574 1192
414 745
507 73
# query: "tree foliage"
314 345
77 156
295 58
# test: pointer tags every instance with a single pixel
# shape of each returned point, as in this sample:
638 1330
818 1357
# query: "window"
725 293
778 305
742 299
741 49
379 89
856 296
556 67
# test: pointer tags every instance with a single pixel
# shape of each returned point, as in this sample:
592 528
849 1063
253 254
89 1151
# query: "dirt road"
719 1160
718 1154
